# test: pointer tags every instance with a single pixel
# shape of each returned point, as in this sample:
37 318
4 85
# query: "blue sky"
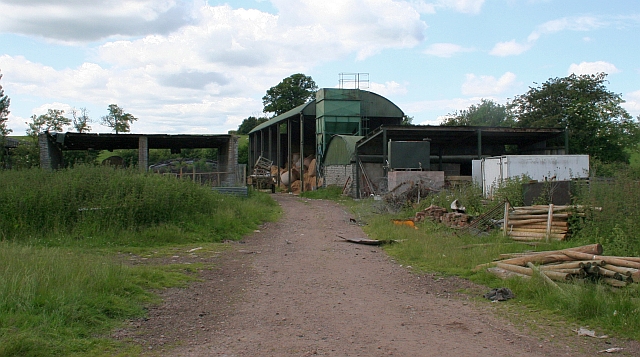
195 66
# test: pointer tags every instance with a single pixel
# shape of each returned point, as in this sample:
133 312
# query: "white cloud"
423 7
632 103
388 89
488 85
593 68
445 49
339 26
509 48
512 48
82 21
584 23
212 71
464 6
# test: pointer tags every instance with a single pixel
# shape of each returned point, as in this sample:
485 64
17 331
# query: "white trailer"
494 170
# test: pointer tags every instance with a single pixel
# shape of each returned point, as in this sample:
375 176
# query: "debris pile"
585 262
440 214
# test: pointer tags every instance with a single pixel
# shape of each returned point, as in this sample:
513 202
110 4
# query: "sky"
201 67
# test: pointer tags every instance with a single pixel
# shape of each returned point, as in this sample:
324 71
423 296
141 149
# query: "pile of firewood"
541 222
439 214
585 262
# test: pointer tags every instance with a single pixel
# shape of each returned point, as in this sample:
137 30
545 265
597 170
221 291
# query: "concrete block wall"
338 175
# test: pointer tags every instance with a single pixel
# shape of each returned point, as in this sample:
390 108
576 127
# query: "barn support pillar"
50 153
143 153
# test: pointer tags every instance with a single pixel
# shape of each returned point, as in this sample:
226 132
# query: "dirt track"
295 289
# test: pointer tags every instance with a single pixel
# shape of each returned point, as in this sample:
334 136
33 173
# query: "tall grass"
58 293
57 302
617 225
100 206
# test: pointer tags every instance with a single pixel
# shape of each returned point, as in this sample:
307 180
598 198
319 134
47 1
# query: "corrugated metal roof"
308 108
341 150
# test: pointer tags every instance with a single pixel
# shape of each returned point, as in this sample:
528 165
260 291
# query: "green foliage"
406 120
512 190
25 156
56 302
616 226
100 206
118 120
4 113
487 113
469 196
326 193
598 125
293 91
243 150
250 123
81 120
72 158
54 120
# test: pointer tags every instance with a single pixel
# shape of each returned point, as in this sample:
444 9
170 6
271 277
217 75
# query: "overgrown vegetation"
61 287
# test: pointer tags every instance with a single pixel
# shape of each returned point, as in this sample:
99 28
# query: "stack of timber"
585 262
539 222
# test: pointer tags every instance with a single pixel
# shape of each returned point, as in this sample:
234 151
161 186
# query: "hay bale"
312 168
295 186
289 176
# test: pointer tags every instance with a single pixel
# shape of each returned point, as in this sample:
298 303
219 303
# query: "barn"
354 139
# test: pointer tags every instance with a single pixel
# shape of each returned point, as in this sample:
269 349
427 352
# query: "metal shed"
307 129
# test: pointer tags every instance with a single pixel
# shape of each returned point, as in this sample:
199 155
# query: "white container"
494 170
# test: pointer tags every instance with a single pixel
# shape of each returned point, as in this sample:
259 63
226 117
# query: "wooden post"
549 221
505 221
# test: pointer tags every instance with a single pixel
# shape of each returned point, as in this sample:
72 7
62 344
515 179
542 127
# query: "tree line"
597 123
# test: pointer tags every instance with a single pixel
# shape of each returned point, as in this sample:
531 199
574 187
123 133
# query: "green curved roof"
341 150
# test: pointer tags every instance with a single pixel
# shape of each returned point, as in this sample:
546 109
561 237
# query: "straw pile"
585 262
309 178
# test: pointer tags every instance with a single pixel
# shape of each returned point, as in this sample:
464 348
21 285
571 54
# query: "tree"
81 120
293 91
54 120
250 123
4 112
598 125
118 120
487 113
406 120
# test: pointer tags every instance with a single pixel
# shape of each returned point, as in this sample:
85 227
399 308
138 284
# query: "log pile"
440 214
539 222
585 262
